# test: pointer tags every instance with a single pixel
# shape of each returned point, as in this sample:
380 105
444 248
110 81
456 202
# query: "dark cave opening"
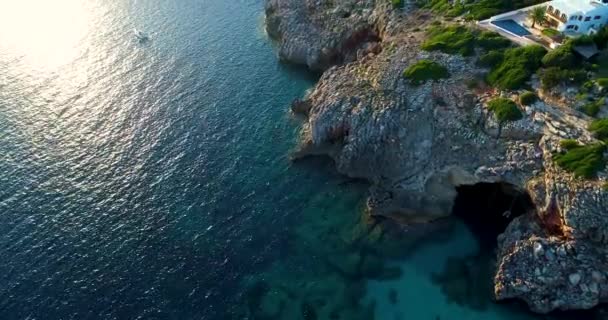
488 208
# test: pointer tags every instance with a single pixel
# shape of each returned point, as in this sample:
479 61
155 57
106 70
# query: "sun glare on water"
45 33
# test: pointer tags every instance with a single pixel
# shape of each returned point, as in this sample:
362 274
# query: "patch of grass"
562 56
527 98
443 7
549 32
425 70
474 10
581 96
599 128
492 58
505 109
516 67
602 64
569 144
583 161
587 86
492 40
553 76
462 40
605 186
602 82
593 108
397 3
451 39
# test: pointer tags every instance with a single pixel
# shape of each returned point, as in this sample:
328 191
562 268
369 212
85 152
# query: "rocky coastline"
416 145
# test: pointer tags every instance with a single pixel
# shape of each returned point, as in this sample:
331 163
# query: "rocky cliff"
417 144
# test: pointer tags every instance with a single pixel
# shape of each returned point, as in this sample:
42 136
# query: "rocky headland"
418 144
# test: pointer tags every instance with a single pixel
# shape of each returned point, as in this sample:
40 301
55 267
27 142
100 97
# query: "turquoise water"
152 181
419 295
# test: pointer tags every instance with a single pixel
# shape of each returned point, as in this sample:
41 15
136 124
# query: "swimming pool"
511 26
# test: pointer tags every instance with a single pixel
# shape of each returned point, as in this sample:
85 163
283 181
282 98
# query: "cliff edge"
417 144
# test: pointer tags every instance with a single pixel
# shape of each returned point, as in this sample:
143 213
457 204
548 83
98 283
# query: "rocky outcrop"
557 260
323 33
417 144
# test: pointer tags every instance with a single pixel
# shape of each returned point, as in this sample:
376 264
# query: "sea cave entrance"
488 208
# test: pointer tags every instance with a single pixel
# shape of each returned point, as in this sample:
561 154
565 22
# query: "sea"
151 179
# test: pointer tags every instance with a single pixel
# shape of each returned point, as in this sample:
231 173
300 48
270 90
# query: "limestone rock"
417 144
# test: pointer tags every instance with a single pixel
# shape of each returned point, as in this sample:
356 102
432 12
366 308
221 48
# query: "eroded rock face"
556 260
322 33
416 144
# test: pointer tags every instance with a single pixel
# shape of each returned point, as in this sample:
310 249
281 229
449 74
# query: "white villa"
577 16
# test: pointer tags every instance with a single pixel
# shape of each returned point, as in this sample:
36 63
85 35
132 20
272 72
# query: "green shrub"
424 70
553 76
602 82
583 161
562 57
475 10
397 3
492 40
462 40
582 40
569 144
504 109
452 40
481 13
593 108
492 58
527 98
516 67
601 38
581 96
599 128
587 86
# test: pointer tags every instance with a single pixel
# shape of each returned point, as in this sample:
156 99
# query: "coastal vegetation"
585 161
492 58
599 128
527 98
516 67
562 56
505 109
451 39
554 76
397 3
550 32
425 70
602 82
461 40
593 108
473 10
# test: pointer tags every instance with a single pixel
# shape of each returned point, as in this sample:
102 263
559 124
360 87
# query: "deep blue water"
152 180
134 177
